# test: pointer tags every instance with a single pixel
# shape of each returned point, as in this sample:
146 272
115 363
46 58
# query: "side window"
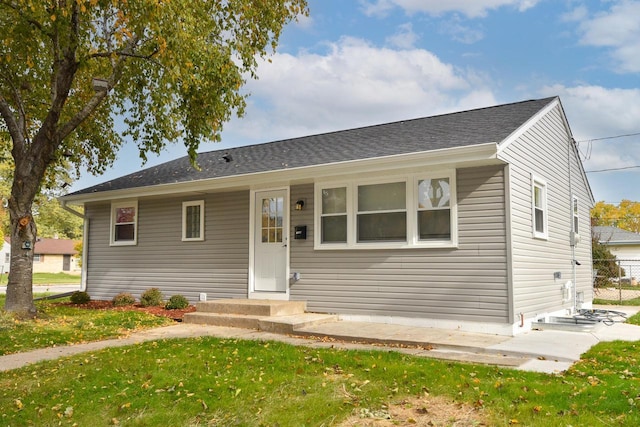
193 221
539 208
333 215
124 223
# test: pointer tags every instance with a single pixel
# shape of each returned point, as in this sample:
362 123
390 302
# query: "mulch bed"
155 310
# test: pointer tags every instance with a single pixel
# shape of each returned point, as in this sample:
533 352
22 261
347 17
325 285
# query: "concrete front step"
276 324
249 307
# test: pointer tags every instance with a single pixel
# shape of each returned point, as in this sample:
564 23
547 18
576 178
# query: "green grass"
60 325
48 279
209 381
630 302
55 279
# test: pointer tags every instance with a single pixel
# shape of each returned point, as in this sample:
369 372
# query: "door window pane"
272 220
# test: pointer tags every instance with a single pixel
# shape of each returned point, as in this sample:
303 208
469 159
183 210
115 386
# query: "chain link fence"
616 279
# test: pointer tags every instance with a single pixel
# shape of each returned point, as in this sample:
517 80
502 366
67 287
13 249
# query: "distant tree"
54 221
173 69
625 215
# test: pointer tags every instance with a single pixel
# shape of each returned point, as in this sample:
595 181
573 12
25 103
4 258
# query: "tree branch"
31 21
12 124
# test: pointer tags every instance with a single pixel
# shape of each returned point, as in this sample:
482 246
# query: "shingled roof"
473 127
615 236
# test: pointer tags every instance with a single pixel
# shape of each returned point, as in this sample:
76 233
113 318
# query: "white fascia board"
480 154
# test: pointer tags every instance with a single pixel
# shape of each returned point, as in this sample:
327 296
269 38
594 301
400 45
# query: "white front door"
270 241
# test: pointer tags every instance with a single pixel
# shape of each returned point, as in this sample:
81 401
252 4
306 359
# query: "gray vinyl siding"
545 151
218 265
465 283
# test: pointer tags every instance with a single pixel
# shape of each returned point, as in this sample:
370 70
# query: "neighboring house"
625 245
49 256
5 256
622 243
462 220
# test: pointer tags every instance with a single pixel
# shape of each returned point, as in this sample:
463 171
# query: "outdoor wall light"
299 205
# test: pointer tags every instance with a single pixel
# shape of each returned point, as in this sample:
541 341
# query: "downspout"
85 241
572 233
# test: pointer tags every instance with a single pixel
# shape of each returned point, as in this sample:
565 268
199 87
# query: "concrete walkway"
542 351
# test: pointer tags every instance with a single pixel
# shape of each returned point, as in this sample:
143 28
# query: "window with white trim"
193 221
408 211
539 208
576 217
333 215
124 222
434 209
382 212
38 257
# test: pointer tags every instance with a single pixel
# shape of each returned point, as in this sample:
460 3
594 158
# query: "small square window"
193 221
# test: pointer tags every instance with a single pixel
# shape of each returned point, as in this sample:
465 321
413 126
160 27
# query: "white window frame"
123 204
37 258
411 186
537 182
185 205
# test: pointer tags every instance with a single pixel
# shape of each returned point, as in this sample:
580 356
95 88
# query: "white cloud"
404 38
470 8
461 33
352 84
598 112
619 30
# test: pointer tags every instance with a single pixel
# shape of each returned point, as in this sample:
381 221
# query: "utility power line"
613 169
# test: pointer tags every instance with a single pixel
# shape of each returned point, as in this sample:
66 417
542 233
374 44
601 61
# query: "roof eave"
458 156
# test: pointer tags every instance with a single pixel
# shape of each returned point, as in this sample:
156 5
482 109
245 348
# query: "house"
622 243
5 256
49 256
625 245
476 220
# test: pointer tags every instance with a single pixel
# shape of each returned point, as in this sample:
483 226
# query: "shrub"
80 297
177 302
150 297
122 299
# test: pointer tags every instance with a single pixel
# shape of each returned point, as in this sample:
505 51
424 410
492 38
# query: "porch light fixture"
299 205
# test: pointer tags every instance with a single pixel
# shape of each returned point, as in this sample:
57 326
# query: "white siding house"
477 220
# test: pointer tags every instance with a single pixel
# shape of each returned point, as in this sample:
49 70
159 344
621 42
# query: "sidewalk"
541 351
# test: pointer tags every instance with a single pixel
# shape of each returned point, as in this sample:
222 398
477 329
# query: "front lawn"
209 381
61 325
56 279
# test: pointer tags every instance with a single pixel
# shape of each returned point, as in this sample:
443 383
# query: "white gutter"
85 243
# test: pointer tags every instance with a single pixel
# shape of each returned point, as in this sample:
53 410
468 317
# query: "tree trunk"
23 239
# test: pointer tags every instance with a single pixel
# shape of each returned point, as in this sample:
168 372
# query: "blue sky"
357 63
